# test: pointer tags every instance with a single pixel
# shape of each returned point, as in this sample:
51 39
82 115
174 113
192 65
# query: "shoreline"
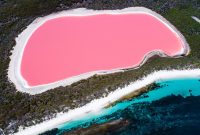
96 105
196 19
15 76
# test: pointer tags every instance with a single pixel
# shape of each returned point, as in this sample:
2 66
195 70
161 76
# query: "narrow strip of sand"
96 105
14 72
196 19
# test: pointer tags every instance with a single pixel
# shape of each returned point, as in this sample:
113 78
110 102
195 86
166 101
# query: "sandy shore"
196 19
14 73
96 105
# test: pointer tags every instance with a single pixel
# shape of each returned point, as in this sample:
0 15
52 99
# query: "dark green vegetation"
20 108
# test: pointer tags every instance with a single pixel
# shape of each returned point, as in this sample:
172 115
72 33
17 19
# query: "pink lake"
73 45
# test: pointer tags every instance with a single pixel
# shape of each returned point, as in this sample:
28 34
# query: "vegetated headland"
18 108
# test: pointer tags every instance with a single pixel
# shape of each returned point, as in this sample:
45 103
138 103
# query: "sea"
170 108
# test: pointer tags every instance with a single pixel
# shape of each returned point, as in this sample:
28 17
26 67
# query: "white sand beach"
96 105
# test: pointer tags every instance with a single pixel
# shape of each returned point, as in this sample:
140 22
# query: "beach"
96 105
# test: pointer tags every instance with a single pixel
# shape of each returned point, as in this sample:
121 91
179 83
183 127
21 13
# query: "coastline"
84 91
196 19
96 105
14 74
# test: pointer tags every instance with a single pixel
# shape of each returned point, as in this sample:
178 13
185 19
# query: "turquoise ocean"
172 107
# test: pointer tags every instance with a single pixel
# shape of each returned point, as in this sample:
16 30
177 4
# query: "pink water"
70 46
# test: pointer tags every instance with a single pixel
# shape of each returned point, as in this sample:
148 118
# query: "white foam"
98 104
14 72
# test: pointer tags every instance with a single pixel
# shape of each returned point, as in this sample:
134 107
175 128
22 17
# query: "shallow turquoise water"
176 87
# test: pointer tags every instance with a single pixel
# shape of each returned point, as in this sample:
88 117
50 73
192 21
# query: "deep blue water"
173 107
